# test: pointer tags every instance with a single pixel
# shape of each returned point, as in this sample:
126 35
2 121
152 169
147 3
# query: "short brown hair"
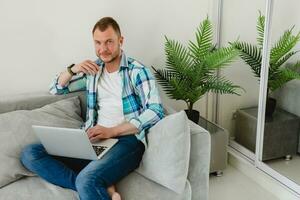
105 22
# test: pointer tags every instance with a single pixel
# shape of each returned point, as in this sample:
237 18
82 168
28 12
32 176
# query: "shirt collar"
124 61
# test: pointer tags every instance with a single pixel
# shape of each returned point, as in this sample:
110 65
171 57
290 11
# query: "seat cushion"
137 187
16 133
35 188
132 187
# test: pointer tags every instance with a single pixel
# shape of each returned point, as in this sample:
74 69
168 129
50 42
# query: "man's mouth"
105 54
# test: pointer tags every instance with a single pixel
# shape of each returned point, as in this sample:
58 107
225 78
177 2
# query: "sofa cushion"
137 187
166 159
16 133
132 187
35 188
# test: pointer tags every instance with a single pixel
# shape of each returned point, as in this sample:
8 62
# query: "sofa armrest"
30 101
199 162
168 110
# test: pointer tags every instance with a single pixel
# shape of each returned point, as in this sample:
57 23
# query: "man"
123 102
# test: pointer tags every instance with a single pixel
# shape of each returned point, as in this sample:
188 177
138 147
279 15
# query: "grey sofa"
133 187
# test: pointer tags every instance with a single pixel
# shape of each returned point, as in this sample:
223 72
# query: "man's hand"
100 132
88 67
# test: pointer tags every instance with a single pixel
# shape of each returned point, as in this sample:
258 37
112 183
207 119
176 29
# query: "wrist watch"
69 69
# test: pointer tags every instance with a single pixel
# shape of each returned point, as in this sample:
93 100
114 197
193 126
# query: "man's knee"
86 181
31 153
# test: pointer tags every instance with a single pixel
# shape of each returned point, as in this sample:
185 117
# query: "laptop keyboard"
99 149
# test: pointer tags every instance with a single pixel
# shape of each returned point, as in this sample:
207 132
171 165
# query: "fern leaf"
251 55
220 57
275 67
282 77
164 77
177 57
222 86
286 42
260 29
204 36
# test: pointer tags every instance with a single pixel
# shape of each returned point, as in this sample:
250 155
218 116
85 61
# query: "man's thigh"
124 157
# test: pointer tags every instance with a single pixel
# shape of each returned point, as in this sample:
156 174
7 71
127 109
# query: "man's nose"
102 48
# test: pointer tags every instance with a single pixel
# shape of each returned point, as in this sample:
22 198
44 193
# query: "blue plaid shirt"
141 101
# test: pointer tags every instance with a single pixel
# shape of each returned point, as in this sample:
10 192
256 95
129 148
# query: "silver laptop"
72 143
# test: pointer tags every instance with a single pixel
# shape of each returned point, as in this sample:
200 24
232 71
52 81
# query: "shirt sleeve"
146 89
77 83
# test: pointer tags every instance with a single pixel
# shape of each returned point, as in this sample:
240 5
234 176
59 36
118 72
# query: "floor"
234 185
288 168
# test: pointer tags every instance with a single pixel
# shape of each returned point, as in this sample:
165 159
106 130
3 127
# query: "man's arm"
65 82
64 78
146 89
125 128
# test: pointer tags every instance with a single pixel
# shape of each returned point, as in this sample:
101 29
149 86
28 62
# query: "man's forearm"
125 128
64 78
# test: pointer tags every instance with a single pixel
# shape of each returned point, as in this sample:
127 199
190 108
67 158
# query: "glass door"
238 114
270 141
279 134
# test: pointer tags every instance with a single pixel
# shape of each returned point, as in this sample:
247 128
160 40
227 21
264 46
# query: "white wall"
39 38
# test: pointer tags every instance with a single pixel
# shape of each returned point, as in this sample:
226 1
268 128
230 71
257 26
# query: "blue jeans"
89 178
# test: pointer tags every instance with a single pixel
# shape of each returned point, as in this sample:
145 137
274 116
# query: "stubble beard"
112 59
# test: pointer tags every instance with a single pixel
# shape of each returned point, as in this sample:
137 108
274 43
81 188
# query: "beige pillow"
16 133
166 159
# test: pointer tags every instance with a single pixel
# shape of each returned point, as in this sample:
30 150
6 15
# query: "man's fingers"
90 132
91 67
96 138
87 69
94 132
96 67
83 69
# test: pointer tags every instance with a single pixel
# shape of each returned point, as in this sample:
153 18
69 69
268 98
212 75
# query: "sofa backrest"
30 101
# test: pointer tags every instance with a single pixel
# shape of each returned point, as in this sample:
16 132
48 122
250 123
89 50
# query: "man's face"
107 44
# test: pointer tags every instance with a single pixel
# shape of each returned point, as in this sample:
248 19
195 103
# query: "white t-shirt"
110 104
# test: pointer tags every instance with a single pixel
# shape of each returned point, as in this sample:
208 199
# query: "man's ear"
121 39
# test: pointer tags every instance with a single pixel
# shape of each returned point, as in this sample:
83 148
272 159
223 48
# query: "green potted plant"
191 71
280 72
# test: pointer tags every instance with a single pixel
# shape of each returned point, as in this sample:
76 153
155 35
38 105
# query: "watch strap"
70 70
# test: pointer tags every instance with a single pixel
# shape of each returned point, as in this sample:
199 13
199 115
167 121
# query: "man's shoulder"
134 64
137 69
